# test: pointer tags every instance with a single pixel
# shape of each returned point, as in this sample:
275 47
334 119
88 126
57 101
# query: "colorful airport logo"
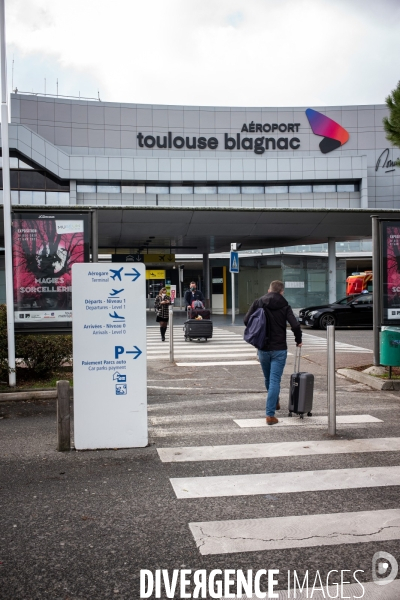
334 134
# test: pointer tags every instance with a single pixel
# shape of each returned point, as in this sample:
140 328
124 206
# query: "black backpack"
258 328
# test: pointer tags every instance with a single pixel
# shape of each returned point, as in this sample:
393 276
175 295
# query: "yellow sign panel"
157 258
155 274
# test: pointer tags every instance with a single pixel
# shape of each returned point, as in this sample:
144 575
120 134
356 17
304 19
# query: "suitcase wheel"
290 414
301 415
187 339
309 414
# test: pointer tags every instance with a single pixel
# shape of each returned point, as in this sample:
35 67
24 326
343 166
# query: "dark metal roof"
199 230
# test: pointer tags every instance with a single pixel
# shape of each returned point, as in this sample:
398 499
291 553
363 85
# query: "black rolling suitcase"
197 329
301 390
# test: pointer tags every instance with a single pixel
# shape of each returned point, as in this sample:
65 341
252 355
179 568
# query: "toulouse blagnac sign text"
230 142
277 137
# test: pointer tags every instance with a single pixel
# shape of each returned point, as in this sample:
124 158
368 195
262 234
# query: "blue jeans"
272 363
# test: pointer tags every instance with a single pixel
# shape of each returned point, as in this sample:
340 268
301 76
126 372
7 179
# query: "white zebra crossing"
223 345
289 532
314 343
305 531
312 421
227 345
283 483
270 450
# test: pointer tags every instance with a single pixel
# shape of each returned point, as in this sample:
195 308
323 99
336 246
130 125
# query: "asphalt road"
81 525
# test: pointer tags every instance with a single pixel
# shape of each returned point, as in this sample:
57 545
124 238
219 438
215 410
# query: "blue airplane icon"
117 273
115 292
116 316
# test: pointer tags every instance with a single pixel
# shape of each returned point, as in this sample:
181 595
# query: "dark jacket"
190 296
162 309
278 313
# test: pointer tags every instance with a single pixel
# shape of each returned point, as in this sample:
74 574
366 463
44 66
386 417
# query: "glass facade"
124 188
341 247
305 279
32 186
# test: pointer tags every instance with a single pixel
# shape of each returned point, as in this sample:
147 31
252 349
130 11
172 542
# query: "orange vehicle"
359 282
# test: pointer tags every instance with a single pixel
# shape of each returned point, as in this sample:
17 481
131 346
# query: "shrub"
41 354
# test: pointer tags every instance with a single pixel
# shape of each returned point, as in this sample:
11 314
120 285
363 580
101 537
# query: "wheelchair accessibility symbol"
121 389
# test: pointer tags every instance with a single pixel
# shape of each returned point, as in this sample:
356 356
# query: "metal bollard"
171 334
63 417
330 335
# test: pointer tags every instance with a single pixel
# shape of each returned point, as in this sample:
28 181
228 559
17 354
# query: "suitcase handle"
297 357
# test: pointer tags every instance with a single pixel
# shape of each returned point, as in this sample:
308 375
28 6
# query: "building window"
57 198
157 189
39 198
346 187
52 183
133 189
205 189
181 189
276 189
25 197
32 180
253 189
228 189
108 189
300 189
86 189
324 188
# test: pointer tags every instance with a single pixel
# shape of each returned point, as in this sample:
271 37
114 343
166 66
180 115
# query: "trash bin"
390 346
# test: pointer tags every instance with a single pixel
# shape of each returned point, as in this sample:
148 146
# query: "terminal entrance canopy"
210 230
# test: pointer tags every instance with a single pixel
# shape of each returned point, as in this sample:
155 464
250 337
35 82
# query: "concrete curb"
50 394
373 382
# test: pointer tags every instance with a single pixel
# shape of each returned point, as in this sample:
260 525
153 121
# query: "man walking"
273 355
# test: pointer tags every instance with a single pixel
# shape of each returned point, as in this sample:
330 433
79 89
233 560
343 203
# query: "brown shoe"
278 406
272 420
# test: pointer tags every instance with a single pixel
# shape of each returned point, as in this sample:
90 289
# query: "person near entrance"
193 294
161 305
273 355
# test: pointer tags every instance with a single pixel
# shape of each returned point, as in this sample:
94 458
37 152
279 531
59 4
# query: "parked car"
352 311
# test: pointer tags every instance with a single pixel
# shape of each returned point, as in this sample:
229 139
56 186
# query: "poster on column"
109 350
171 291
44 248
391 272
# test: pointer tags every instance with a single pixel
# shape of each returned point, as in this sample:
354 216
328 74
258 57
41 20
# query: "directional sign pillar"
109 334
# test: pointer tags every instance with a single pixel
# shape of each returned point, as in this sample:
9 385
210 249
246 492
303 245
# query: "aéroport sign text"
334 136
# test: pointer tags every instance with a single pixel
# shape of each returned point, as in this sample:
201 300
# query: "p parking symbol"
118 351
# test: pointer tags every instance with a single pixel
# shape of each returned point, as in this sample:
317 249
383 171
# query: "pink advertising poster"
44 249
391 271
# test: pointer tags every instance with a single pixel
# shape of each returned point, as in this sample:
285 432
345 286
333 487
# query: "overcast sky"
207 52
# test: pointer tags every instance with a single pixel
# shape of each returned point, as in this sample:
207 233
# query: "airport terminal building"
191 180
